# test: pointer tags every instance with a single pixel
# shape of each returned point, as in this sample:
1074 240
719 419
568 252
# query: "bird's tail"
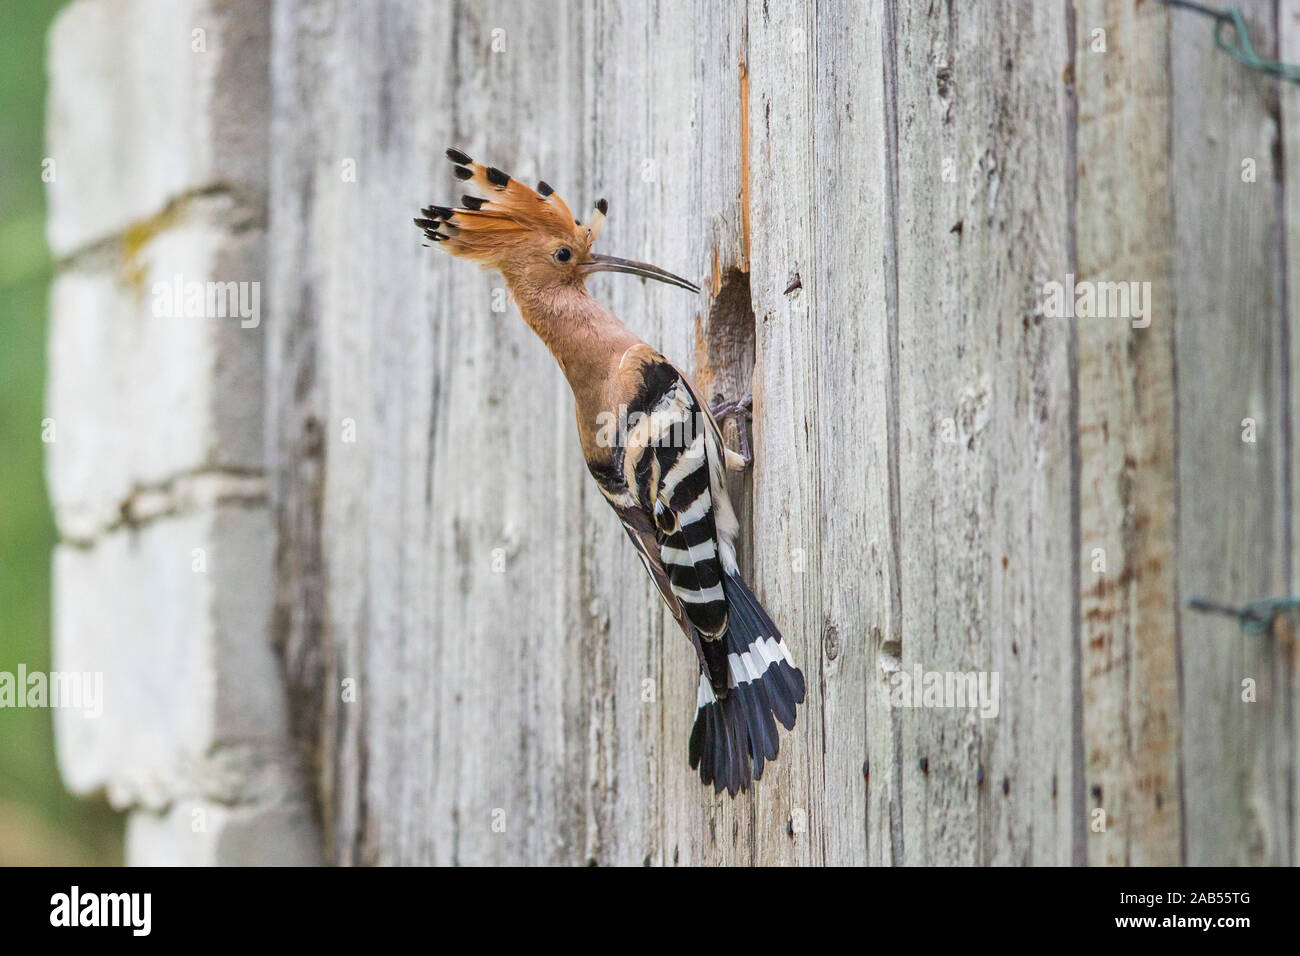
736 732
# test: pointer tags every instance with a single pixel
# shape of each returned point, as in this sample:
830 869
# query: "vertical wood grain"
1288 24
1231 516
854 330
1128 578
788 510
985 429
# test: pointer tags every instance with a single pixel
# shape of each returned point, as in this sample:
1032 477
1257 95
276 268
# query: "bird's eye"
563 254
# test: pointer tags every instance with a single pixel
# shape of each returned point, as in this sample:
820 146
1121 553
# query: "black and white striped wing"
645 538
673 457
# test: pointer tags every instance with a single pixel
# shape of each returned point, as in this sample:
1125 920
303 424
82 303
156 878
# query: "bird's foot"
743 411
724 409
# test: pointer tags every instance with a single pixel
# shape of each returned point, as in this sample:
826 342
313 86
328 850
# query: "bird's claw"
723 409
743 410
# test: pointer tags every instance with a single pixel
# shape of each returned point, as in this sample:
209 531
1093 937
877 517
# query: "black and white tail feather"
735 733
666 482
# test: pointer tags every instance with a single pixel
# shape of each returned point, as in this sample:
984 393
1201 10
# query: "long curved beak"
599 263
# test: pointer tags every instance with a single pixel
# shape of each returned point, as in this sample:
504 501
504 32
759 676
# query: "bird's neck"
586 338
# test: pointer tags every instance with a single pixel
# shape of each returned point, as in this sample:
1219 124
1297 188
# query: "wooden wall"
480 671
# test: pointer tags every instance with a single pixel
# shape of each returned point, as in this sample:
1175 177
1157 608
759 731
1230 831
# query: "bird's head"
530 236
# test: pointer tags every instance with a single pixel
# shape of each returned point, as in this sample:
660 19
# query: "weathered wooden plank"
849 283
294 394
1237 756
858 339
1288 23
788 510
985 429
1127 483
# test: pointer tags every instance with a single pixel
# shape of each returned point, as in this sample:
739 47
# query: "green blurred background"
40 823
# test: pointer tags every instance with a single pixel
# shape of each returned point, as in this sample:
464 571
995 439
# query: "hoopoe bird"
663 473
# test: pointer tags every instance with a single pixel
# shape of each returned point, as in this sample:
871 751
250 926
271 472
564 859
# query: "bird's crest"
505 215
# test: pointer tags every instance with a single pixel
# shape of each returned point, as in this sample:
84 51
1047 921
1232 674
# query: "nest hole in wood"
726 363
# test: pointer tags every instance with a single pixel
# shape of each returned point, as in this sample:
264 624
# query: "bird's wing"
640 528
665 484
